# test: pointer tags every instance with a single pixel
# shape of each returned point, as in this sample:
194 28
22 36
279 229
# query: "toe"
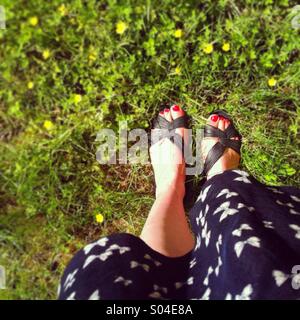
213 120
221 124
226 124
176 112
167 114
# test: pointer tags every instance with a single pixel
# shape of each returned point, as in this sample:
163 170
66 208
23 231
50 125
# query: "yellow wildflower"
33 21
48 125
121 27
46 54
62 10
226 47
99 218
92 54
30 85
178 33
177 70
208 48
272 82
77 98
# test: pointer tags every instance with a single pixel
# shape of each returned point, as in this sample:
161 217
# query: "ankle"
211 173
171 191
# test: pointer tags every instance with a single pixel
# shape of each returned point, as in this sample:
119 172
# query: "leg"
166 229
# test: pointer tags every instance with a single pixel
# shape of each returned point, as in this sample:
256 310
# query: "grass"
66 72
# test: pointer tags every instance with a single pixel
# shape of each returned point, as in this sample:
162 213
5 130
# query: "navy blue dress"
247 247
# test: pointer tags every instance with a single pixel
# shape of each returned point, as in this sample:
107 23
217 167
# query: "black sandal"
216 152
168 130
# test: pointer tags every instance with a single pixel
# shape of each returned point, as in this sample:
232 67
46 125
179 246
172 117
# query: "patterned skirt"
247 247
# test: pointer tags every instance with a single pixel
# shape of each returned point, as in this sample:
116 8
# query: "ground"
69 69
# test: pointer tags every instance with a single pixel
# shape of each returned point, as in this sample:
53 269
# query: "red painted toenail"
161 112
176 108
214 118
166 110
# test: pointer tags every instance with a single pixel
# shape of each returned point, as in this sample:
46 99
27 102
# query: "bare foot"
230 158
167 160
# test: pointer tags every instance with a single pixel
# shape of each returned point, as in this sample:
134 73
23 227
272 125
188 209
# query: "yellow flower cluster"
208 48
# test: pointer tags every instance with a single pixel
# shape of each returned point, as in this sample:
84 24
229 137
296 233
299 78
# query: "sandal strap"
157 135
221 113
181 122
231 132
168 129
161 123
233 144
214 154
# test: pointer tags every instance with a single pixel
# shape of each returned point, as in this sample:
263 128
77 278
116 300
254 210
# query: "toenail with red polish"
161 112
214 118
176 108
166 110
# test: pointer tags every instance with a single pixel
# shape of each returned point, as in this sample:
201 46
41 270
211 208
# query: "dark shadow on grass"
193 186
